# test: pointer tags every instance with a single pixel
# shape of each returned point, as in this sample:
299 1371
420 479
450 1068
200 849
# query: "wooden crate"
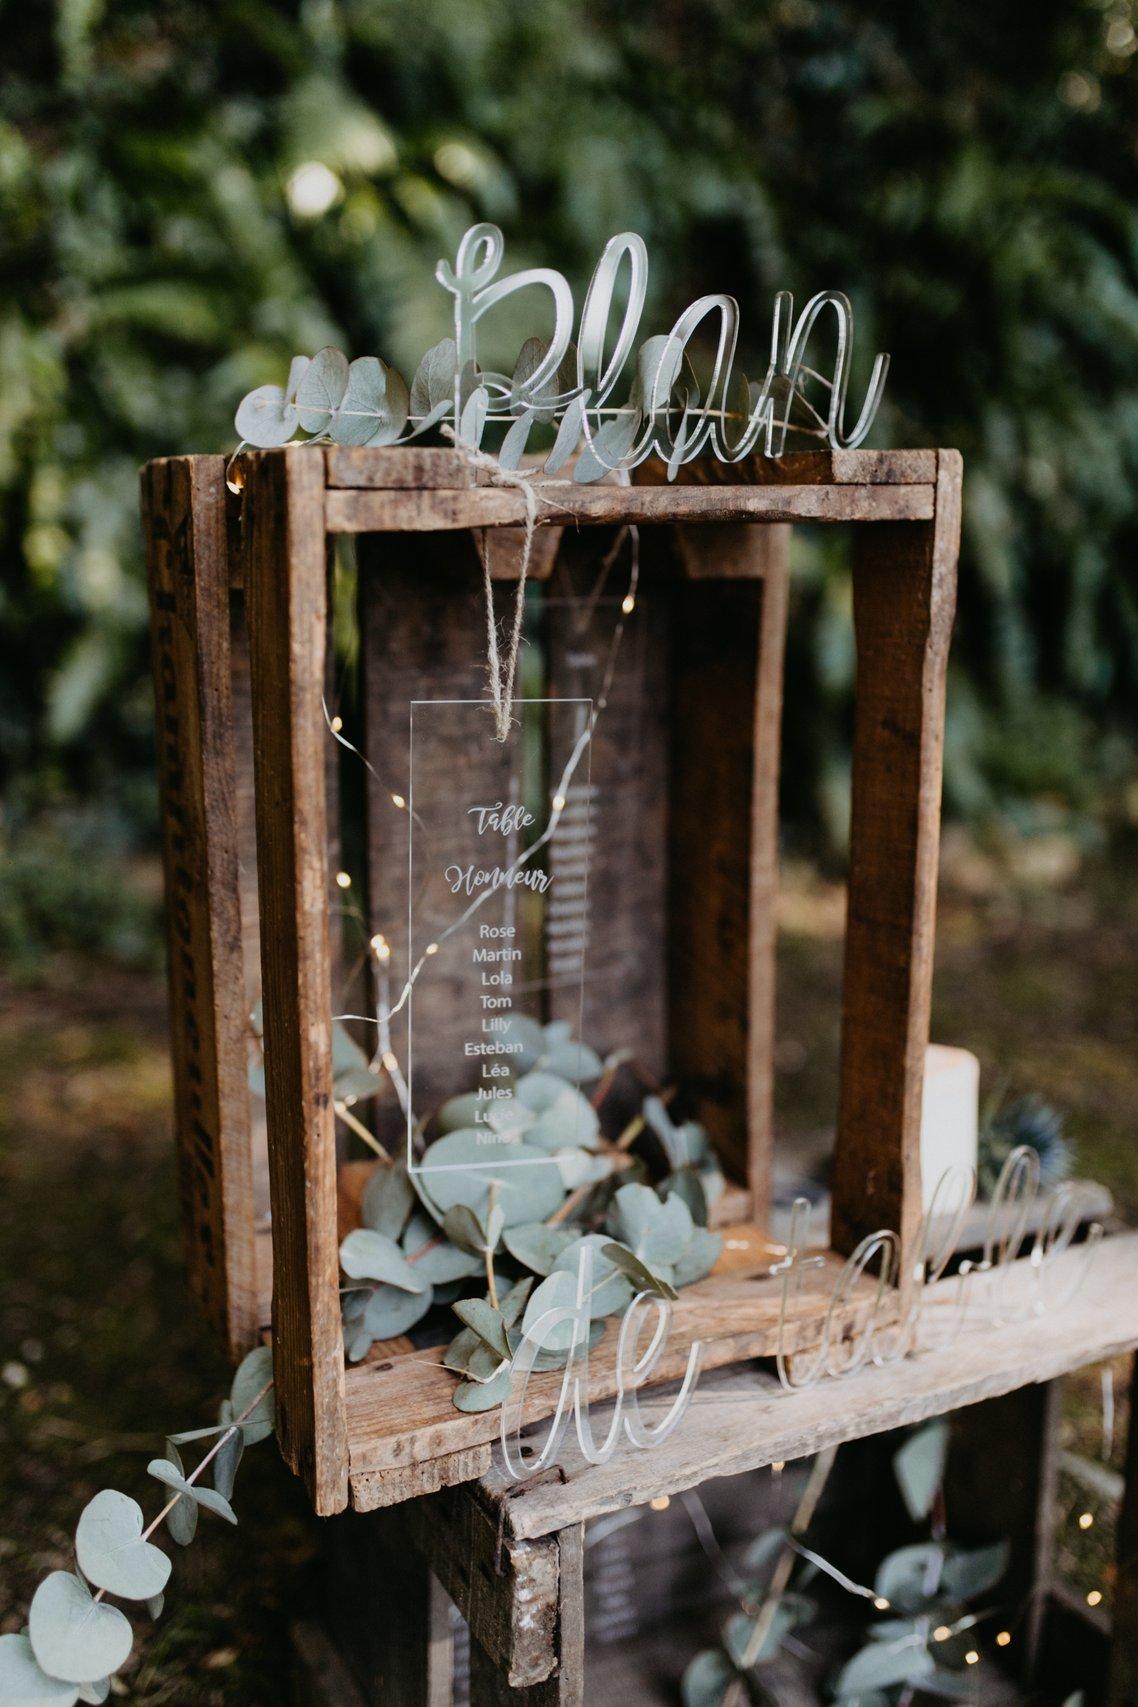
707 771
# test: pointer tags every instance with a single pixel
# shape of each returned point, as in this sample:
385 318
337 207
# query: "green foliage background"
965 169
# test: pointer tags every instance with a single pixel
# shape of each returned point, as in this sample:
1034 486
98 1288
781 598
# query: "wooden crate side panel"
620 938
904 596
285 577
717 792
184 514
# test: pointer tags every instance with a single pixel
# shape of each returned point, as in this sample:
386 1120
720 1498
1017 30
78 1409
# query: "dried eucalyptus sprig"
75 1640
425 1235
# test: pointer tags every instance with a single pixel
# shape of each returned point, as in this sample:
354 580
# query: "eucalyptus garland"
76 1640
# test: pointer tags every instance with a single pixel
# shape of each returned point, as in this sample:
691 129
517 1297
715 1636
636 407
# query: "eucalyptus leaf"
879 1666
573 1061
224 1467
367 1255
568 435
388 1198
463 1228
163 1470
483 1395
563 1117
708 1679
321 390
391 1311
356 1084
581 1167
558 1291
111 1552
182 1518
537 1246
657 1232
902 1575
686 1183
460 1168
919 1467
512 450
460 1112
763 1551
23 1683
611 1290
73 1636
433 384
970 1572
515 1301
698 1257
472 423
642 1277
254 1374
485 1321
265 419
155 1605
613 442
96 1693
434 1257
363 407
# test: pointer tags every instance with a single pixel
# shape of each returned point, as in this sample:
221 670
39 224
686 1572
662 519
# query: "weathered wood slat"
401 1410
742 1419
382 1606
904 596
1122 1689
490 1686
184 511
410 465
561 504
726 701
287 597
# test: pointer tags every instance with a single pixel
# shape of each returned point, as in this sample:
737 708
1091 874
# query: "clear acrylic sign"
498 865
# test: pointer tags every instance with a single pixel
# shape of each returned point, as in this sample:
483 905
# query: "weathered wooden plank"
372 1490
726 695
287 596
395 466
184 512
561 503
491 1686
413 466
742 1419
401 1410
609 923
506 1590
904 582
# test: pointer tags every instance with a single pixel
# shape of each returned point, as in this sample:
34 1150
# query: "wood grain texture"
742 1419
491 1686
726 701
413 466
183 503
562 503
506 1590
401 1409
287 596
904 582
372 1490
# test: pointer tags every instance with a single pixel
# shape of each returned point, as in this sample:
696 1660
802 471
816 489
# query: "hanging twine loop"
502 671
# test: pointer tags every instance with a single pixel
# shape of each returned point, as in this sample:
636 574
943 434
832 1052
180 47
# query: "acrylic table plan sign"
497 917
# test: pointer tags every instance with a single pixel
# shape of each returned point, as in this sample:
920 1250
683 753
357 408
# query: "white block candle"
950 1114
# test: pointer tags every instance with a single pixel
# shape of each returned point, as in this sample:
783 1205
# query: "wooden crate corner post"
287 596
183 507
904 583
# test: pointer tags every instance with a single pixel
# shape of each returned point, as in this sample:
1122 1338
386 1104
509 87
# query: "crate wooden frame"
346 1432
